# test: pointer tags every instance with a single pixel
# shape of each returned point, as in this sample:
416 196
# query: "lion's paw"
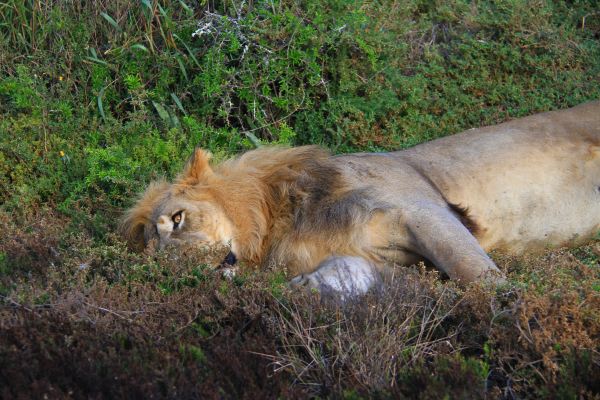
341 277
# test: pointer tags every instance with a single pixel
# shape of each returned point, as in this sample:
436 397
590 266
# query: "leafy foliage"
97 97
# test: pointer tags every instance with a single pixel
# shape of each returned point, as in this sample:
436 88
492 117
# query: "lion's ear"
197 168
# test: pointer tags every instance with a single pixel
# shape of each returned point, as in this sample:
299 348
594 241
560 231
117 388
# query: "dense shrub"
100 97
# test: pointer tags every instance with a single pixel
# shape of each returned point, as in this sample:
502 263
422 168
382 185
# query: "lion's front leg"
342 277
438 235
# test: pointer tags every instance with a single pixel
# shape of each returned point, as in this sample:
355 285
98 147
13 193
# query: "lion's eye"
177 217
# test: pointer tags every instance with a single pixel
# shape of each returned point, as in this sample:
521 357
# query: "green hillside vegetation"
98 98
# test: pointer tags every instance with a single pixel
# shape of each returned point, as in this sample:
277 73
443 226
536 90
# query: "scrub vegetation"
98 98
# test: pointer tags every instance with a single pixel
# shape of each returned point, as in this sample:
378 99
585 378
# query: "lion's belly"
569 219
557 202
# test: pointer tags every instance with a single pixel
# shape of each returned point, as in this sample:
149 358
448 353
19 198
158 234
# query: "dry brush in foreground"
84 319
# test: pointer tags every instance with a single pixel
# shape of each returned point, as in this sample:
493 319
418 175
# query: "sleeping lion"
335 222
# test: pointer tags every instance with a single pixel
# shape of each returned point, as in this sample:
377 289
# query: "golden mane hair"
136 219
274 196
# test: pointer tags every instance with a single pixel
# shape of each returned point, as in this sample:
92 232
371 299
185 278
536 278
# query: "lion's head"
184 212
245 202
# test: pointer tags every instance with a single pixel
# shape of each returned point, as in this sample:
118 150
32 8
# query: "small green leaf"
178 103
252 137
96 60
94 57
162 112
174 121
140 47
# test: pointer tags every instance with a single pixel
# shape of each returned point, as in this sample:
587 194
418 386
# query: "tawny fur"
526 184
137 219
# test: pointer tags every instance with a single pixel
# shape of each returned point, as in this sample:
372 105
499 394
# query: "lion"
336 222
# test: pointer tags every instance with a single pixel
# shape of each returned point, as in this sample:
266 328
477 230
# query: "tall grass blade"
162 11
147 4
187 8
100 106
188 49
111 21
147 8
182 67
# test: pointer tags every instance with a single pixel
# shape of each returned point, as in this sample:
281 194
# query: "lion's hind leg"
340 277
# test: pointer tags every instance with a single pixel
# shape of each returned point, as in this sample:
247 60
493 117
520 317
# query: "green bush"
97 98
